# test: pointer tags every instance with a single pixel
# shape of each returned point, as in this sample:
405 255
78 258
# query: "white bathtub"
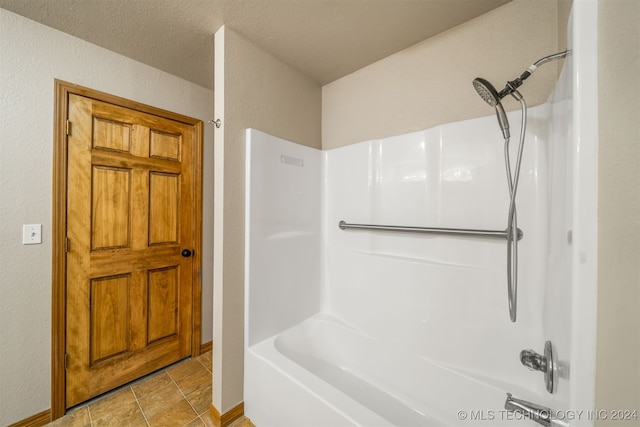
329 374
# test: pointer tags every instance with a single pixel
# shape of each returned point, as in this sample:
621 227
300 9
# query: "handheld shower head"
486 91
490 95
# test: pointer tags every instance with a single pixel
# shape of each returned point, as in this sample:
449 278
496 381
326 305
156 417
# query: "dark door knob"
186 253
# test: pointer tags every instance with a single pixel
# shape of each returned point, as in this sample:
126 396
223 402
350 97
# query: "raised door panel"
111 135
164 199
109 308
110 208
164 145
163 297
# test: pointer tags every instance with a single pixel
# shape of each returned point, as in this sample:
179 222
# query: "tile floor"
177 396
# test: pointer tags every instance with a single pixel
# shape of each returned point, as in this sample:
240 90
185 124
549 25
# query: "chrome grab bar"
465 232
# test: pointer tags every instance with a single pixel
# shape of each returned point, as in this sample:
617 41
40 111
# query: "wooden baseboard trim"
228 417
208 346
41 419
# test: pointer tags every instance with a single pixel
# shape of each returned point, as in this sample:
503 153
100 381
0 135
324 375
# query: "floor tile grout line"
210 379
139 406
90 419
210 373
209 370
185 398
199 416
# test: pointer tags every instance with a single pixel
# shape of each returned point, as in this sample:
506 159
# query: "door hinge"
66 361
68 127
67 245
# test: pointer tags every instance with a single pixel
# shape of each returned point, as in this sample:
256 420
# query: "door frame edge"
196 316
58 245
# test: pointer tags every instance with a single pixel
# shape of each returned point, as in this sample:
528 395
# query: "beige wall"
32 56
564 10
253 89
618 336
430 83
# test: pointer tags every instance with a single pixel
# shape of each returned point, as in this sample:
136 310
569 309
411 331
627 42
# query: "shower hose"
512 220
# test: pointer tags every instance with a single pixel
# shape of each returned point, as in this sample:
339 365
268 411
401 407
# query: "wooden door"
130 236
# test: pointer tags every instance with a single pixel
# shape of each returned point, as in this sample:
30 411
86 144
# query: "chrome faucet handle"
533 360
543 363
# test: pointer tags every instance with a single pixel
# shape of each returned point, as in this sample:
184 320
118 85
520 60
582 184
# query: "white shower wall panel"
558 308
441 297
283 232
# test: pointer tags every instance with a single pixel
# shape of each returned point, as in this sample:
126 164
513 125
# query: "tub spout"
537 413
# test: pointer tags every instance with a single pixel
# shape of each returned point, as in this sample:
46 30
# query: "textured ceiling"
325 39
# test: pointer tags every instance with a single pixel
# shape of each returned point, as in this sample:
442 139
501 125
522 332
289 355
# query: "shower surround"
375 328
382 316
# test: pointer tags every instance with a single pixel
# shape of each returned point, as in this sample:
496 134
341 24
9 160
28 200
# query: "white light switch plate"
31 234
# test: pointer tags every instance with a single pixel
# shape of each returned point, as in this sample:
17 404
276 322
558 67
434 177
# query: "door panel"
163 300
109 317
163 212
111 208
129 216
